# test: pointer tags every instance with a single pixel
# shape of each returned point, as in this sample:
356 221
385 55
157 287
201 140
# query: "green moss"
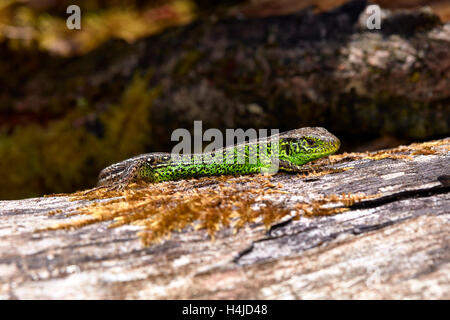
82 103
45 25
127 125
65 155
415 77
45 159
187 62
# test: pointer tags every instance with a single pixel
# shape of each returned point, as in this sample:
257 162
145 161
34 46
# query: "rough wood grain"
394 246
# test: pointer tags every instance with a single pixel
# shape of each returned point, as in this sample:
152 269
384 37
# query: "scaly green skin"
286 152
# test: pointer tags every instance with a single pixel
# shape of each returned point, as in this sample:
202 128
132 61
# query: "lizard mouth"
331 147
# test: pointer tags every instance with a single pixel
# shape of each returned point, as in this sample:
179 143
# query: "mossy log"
360 225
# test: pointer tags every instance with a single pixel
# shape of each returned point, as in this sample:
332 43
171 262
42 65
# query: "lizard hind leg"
128 174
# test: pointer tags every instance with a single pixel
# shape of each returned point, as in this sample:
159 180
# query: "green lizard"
286 151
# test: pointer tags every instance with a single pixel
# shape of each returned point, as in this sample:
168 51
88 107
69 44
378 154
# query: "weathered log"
391 243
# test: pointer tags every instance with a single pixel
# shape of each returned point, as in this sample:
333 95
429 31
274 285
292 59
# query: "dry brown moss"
206 203
401 152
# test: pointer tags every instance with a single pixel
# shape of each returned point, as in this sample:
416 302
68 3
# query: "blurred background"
75 101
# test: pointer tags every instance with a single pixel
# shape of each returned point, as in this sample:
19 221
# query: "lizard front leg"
129 173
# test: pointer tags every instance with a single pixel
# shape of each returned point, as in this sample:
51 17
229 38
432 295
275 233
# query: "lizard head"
300 146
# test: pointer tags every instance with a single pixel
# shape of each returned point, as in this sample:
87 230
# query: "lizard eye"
310 142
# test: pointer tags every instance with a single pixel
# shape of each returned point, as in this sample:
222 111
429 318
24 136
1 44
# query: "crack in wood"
357 230
408 194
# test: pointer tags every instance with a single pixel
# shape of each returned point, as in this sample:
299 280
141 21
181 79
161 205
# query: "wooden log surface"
394 244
